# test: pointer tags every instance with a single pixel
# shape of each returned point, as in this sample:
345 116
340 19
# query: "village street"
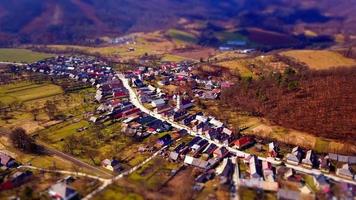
105 181
135 101
121 175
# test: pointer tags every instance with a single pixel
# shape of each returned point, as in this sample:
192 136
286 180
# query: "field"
239 66
151 43
320 59
27 91
37 187
181 36
173 58
22 55
268 38
148 182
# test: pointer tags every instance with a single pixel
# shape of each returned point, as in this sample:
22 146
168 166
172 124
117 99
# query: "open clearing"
238 65
27 91
182 36
21 55
320 59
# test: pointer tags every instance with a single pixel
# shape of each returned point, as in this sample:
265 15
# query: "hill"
318 102
79 21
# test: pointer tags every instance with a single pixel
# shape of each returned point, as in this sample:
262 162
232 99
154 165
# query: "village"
141 101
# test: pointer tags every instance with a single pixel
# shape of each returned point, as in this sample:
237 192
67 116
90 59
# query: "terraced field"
27 91
22 55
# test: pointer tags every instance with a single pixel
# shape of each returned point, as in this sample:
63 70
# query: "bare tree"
51 109
35 112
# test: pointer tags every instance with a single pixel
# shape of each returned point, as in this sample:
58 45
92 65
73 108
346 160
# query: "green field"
116 192
181 36
27 91
21 55
225 36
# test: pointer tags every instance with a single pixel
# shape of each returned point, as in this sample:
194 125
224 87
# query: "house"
344 172
308 160
164 140
21 177
61 191
254 169
321 182
209 150
227 131
196 162
201 118
158 103
288 194
183 103
198 147
272 150
163 109
112 165
216 123
268 174
194 141
294 157
259 184
15 180
6 160
204 177
220 152
324 164
173 155
158 126
228 171
138 83
178 115
242 142
284 172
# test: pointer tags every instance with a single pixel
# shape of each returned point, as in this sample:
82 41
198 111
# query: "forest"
317 102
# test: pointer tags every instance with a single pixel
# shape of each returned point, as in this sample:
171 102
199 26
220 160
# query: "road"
75 161
63 172
135 101
12 63
236 179
133 169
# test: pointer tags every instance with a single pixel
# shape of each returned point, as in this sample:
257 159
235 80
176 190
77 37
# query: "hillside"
53 21
320 59
317 102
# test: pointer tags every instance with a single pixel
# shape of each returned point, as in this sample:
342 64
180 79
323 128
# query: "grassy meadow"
182 36
26 91
320 59
21 55
238 65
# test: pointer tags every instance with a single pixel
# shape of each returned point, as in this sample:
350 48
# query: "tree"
91 153
24 142
51 109
70 144
35 112
27 193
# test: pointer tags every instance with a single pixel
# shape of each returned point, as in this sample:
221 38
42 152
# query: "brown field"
269 38
238 65
194 53
152 43
320 59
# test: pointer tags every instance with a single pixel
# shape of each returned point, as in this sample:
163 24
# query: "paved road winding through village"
135 101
